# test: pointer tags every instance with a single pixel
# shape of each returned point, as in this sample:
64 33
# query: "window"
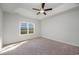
26 28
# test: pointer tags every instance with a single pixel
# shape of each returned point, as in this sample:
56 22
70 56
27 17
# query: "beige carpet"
42 46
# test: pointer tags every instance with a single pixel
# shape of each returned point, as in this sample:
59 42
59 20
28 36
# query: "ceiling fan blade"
35 9
43 4
48 9
44 13
38 13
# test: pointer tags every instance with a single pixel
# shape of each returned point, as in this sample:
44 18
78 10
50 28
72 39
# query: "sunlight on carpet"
11 47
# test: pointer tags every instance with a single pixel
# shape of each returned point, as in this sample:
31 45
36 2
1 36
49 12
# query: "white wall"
63 27
11 28
1 32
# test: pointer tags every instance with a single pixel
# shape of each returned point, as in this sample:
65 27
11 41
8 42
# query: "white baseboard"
61 41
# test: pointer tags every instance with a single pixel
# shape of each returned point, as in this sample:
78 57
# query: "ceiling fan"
42 9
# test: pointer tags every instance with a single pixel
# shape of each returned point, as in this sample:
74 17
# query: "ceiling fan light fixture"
41 11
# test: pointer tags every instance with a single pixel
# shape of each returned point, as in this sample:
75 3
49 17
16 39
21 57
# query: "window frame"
27 26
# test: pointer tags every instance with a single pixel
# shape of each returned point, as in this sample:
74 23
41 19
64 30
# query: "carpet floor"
43 46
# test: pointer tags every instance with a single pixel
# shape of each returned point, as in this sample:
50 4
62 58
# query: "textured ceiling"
25 9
